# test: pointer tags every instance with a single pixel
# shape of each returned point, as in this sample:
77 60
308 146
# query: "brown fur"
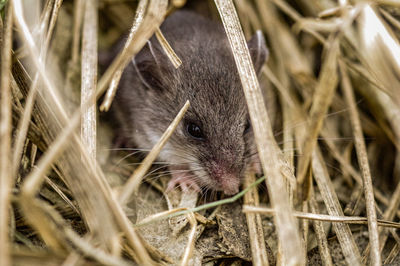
152 92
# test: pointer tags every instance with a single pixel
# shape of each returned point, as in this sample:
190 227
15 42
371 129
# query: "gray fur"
150 96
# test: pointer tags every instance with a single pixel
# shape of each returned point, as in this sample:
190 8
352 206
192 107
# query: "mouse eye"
194 131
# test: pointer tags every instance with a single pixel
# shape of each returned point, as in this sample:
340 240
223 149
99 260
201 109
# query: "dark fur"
209 80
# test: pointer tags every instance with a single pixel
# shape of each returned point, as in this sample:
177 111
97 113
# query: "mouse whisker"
124 158
126 149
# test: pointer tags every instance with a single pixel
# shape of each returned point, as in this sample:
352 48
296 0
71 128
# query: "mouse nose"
230 184
227 178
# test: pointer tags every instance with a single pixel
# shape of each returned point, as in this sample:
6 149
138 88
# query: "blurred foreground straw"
333 79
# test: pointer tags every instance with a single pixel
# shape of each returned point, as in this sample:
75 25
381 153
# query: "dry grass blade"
60 144
283 43
68 166
122 220
155 13
346 240
6 178
393 254
52 24
322 217
320 234
365 169
89 77
55 232
78 17
346 165
23 127
93 252
390 213
268 150
24 122
380 51
33 50
284 92
173 57
256 234
136 178
322 98
285 7
140 11
62 194
34 180
191 240
64 208
39 218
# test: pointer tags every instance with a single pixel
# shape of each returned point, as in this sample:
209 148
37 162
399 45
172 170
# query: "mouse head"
215 139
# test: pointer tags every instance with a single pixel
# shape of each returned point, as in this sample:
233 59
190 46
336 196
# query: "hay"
328 137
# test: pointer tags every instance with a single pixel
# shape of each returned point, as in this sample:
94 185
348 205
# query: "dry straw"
325 114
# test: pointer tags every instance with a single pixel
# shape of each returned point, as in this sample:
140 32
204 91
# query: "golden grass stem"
254 224
389 213
343 232
52 24
281 88
392 255
136 178
76 37
154 16
6 178
322 98
172 56
379 50
34 180
23 124
33 50
375 255
191 240
268 150
55 231
89 77
320 234
289 58
322 217
41 27
291 12
112 89
156 11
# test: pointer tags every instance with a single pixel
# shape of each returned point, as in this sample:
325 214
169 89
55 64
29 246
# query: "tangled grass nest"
329 139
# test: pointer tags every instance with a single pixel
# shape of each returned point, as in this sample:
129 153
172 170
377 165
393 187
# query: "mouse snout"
230 184
228 179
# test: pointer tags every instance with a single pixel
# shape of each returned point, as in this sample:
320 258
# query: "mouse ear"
152 65
258 50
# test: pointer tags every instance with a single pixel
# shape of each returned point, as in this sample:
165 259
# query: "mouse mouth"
229 184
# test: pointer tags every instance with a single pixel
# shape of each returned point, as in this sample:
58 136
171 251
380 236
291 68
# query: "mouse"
213 146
